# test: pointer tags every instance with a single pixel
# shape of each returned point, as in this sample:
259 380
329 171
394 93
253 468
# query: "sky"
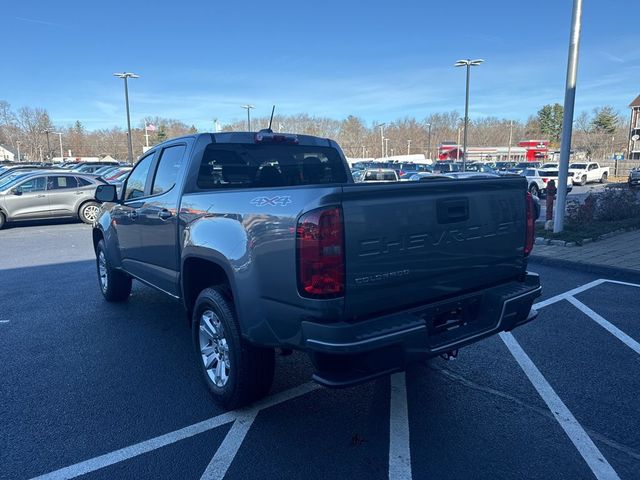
380 61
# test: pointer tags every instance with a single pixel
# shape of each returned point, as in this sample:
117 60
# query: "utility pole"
510 138
60 139
363 148
386 147
18 145
48 145
381 125
458 147
567 121
408 147
248 109
429 144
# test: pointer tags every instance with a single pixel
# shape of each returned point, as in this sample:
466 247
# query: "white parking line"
221 461
570 293
399 442
608 326
583 443
126 453
4 321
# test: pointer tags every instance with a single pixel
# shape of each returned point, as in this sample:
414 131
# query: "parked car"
105 169
16 168
502 166
583 173
379 175
479 167
43 194
445 167
538 180
550 166
268 244
115 175
634 177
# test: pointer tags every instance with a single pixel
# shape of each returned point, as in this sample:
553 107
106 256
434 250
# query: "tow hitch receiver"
450 355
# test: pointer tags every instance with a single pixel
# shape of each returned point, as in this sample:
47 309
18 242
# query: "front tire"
89 212
3 220
235 371
114 285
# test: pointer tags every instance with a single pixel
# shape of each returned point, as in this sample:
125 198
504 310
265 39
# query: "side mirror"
106 193
17 191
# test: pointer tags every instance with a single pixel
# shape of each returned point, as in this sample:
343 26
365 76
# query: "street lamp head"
126 75
247 106
380 125
468 62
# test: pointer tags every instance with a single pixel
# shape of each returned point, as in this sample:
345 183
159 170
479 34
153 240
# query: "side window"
138 178
167 171
59 183
33 185
83 182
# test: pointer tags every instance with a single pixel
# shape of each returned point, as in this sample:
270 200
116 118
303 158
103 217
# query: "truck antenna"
271 119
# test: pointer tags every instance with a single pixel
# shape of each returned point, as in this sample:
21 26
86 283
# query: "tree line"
598 133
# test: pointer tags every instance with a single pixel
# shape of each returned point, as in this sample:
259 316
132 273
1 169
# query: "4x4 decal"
279 201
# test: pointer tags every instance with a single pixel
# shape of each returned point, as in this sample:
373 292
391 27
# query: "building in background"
7 154
634 130
527 150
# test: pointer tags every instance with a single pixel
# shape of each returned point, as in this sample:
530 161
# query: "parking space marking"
132 451
399 441
563 296
221 461
576 433
608 326
4 321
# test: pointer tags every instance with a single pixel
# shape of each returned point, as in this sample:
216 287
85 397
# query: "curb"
587 267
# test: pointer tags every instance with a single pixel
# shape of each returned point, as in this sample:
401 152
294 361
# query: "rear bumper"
348 353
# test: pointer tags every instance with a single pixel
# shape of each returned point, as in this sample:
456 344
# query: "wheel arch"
199 273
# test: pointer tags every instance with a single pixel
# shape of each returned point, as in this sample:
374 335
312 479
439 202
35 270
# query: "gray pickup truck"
268 243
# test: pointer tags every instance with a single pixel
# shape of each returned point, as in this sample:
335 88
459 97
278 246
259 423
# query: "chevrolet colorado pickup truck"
268 243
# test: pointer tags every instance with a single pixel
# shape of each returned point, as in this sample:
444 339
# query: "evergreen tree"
550 121
605 120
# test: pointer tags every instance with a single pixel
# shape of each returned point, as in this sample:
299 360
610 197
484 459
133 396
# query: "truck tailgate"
411 243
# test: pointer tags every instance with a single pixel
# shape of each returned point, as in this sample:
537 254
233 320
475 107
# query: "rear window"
380 176
234 165
551 173
529 173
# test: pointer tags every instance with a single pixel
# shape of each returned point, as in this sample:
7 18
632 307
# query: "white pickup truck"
583 173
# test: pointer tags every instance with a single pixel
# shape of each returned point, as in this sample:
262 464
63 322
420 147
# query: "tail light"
545 180
320 248
531 225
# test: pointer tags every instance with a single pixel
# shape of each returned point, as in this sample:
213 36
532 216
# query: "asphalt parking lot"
96 390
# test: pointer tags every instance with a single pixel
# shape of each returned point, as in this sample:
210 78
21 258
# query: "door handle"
41 196
164 214
133 214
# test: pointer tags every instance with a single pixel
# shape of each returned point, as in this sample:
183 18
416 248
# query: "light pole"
60 138
248 109
408 147
126 76
567 121
381 125
466 63
429 142
386 147
18 145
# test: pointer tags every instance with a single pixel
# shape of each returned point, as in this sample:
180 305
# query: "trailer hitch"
450 355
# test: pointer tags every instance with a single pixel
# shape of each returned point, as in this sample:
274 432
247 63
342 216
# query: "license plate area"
453 321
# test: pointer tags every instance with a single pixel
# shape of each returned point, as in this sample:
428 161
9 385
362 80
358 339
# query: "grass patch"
576 233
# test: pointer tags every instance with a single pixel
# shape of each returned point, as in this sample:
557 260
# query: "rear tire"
3 220
114 284
604 178
583 181
89 211
235 371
